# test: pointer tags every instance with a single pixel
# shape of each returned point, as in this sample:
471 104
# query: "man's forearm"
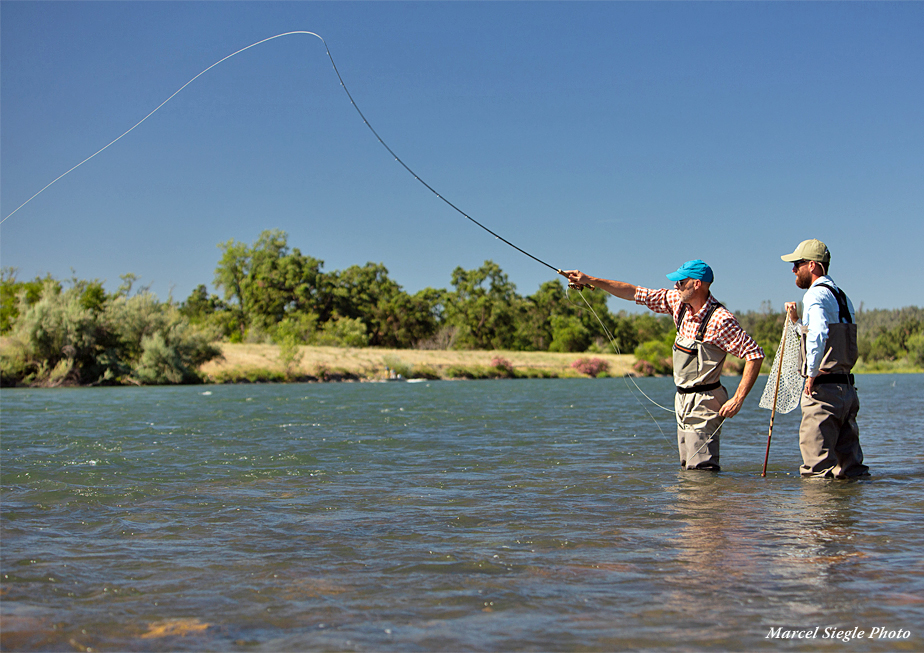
615 288
748 377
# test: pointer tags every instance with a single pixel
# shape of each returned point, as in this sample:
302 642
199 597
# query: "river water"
534 515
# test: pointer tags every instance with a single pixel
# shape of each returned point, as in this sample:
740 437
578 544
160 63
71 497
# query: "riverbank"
267 363
243 363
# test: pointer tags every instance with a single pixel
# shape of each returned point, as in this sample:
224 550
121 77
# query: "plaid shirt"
723 329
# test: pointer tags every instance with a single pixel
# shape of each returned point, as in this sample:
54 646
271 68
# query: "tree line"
268 291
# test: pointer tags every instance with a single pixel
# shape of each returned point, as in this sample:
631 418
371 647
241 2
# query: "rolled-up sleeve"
659 301
735 340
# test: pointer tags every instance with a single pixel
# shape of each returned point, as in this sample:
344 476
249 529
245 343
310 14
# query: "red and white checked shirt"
723 329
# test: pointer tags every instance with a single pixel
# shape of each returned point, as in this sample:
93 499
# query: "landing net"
784 385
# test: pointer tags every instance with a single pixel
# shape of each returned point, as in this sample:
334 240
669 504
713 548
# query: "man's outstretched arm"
615 288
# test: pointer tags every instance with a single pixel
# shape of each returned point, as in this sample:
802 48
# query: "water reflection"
795 546
828 519
718 549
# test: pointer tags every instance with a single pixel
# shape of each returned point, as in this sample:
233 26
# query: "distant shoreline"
263 363
254 363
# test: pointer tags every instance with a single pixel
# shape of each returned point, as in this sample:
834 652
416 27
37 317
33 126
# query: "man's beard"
803 279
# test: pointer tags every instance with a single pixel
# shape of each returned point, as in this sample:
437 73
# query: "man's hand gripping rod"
576 286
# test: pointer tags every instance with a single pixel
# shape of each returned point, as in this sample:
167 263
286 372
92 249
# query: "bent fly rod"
355 106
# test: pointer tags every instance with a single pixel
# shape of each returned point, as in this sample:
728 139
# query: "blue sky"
618 138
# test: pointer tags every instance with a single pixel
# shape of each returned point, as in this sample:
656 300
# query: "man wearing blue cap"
706 332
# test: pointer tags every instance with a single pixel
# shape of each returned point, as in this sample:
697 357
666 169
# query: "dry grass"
262 362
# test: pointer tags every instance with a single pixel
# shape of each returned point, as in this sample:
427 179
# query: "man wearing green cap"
828 436
706 331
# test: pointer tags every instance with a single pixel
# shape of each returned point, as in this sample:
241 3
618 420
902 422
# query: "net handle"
776 391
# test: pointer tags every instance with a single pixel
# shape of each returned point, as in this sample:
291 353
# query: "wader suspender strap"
843 313
701 332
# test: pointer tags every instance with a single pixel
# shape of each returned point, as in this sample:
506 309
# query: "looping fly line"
380 140
352 101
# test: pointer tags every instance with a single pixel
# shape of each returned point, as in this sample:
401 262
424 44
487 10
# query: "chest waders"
841 352
829 437
700 395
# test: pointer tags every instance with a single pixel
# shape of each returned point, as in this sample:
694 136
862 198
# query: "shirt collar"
701 312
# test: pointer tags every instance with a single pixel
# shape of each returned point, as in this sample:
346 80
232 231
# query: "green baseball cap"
809 250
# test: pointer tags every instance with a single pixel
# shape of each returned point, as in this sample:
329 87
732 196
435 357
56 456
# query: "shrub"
591 366
59 339
345 332
915 346
658 354
173 355
80 335
644 368
502 368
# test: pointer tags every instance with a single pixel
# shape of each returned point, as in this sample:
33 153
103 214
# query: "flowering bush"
502 366
644 368
591 366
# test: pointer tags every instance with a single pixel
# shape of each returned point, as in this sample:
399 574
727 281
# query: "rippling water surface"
546 515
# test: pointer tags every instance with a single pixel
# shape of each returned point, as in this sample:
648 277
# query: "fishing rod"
355 106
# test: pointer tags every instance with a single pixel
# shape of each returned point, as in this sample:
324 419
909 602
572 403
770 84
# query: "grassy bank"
262 363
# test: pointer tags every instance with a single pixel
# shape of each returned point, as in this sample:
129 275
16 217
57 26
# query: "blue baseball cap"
695 269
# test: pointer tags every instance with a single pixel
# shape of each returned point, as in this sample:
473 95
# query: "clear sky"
620 138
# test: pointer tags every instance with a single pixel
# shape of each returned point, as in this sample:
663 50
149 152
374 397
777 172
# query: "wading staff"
776 391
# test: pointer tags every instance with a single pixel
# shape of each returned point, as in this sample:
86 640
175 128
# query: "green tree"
591 308
534 324
569 334
231 276
58 339
264 282
893 344
11 290
485 306
200 306
391 316
649 327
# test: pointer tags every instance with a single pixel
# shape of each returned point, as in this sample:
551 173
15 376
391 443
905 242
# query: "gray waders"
829 437
700 395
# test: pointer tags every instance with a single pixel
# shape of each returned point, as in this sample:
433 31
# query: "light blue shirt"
819 309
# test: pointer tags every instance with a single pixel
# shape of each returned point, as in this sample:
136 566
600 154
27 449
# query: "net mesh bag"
790 380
